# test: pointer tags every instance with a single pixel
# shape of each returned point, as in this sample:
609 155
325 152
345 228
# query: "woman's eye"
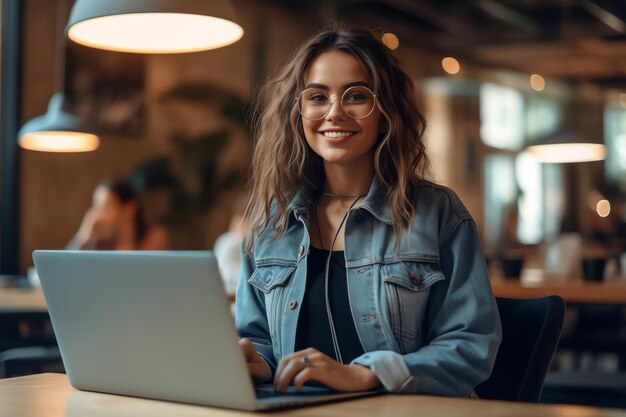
357 97
318 98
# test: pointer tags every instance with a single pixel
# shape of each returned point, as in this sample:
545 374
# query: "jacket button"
300 250
414 278
292 304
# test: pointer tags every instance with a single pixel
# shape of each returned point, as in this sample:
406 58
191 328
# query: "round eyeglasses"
356 102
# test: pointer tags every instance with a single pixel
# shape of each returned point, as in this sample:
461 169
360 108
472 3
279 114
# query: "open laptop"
154 325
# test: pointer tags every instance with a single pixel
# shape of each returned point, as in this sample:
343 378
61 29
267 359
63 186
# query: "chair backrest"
531 329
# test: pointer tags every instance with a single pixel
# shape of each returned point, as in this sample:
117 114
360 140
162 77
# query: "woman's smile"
337 136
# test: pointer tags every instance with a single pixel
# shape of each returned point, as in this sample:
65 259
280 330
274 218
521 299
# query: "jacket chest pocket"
272 280
407 285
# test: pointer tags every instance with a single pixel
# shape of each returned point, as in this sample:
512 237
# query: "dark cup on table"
593 268
512 267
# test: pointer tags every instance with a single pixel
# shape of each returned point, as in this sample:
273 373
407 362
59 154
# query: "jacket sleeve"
462 327
250 317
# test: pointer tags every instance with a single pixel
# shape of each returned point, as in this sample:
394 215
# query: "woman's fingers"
290 369
248 348
298 362
258 368
309 374
287 359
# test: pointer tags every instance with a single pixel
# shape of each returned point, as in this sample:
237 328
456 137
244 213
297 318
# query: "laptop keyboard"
268 392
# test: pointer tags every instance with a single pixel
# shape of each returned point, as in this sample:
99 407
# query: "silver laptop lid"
146 324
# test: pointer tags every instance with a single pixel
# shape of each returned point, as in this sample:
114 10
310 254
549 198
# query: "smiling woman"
357 272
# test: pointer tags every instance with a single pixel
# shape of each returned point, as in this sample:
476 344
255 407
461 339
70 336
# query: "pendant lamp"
153 26
58 130
579 139
568 147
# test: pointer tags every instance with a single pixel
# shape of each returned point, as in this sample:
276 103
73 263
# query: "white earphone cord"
333 333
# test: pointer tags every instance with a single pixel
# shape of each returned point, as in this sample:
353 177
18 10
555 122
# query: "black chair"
30 360
27 344
25 328
593 387
530 333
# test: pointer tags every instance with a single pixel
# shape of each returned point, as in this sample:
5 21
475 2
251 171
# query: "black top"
313 326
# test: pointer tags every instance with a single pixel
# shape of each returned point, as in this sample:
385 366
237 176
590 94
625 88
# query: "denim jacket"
425 314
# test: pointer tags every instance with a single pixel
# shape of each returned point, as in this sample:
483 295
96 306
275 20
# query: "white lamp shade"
57 131
153 26
559 153
578 139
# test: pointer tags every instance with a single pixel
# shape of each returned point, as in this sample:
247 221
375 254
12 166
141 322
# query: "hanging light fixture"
153 26
568 151
58 130
575 141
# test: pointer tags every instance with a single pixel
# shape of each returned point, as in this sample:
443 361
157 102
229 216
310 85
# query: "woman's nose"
336 111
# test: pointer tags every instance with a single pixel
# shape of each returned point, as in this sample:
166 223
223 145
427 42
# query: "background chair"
596 332
530 333
27 344
30 360
586 387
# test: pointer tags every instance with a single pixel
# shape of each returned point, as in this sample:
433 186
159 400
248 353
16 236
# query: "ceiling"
579 41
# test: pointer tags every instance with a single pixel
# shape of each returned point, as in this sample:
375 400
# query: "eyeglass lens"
357 102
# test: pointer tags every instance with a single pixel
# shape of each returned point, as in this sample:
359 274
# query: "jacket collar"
375 202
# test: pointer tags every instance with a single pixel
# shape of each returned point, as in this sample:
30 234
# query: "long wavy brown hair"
283 163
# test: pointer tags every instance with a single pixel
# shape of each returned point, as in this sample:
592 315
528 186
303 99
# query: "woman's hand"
312 365
258 368
97 231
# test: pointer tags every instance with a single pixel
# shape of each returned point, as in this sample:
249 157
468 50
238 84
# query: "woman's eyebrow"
325 87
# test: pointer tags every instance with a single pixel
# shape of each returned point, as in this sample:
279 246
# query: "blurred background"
494 78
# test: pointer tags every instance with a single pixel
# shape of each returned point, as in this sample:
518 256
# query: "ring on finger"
305 361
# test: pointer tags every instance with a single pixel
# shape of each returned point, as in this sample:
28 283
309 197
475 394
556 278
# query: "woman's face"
338 138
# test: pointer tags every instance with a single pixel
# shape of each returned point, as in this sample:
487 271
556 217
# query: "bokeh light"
450 65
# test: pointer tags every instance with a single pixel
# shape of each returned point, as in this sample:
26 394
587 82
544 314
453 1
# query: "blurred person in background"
227 248
115 221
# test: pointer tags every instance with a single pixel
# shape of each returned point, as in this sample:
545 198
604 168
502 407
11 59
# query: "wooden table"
50 395
572 291
22 299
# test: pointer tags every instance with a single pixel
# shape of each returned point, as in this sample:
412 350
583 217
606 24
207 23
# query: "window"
615 141
501 117
515 187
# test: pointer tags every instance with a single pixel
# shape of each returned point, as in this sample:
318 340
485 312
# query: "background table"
22 299
49 395
572 291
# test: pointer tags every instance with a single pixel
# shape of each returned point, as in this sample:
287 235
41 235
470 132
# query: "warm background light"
568 152
391 41
450 65
59 141
622 100
537 82
156 32
603 208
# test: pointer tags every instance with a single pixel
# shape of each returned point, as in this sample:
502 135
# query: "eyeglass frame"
332 99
